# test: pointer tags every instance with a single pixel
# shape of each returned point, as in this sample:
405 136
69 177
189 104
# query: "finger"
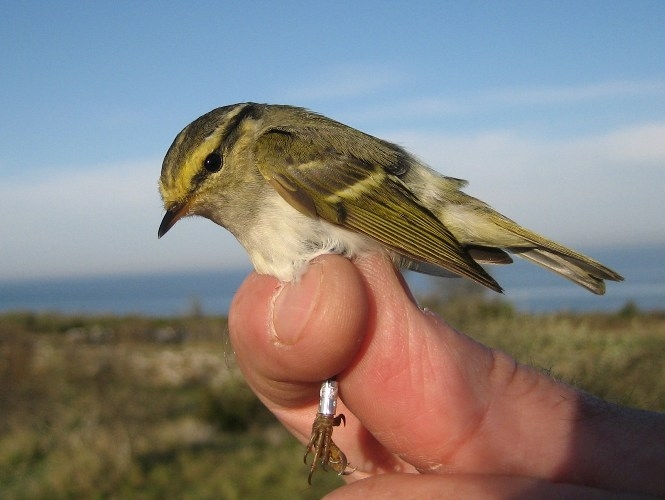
442 401
290 337
462 486
419 386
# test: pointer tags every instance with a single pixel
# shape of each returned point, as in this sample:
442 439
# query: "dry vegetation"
105 407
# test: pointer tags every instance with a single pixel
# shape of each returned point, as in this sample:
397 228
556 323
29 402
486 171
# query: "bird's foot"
324 451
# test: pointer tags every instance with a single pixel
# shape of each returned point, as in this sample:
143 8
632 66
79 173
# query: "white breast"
283 241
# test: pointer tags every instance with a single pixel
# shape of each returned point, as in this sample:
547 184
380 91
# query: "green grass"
117 407
110 407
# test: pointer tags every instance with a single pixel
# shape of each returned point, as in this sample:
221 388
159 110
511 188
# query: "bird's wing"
360 189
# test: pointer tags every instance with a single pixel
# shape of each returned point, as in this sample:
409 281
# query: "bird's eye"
213 163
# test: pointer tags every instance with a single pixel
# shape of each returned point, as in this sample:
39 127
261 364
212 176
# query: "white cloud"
344 81
642 145
568 94
593 190
100 221
490 100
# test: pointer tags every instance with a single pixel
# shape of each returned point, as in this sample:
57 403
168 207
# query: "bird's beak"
172 215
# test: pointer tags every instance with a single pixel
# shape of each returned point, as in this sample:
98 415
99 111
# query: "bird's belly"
282 244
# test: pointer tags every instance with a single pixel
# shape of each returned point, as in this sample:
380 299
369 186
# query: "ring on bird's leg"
324 450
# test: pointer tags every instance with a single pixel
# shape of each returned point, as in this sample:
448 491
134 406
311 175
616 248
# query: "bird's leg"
321 445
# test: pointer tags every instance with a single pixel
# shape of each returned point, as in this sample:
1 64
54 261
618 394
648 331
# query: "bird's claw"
322 447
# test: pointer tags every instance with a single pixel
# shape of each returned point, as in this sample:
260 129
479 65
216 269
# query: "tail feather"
568 263
581 272
486 234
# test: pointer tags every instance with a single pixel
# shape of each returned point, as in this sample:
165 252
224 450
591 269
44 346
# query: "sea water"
527 286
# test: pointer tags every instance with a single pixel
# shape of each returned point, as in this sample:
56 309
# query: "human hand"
428 409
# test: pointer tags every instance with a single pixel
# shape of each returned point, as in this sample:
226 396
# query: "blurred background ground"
117 407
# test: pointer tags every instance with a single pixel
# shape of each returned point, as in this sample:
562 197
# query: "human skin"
430 411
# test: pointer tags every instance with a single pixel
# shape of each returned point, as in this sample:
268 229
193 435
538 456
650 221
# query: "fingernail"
293 305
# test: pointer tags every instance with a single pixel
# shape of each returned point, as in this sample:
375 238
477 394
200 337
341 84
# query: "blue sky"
554 111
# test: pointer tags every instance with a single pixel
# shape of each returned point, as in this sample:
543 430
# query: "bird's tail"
568 263
574 266
489 236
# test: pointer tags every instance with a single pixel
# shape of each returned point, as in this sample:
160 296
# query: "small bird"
291 184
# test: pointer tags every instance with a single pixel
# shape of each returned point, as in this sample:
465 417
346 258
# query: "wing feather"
357 191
